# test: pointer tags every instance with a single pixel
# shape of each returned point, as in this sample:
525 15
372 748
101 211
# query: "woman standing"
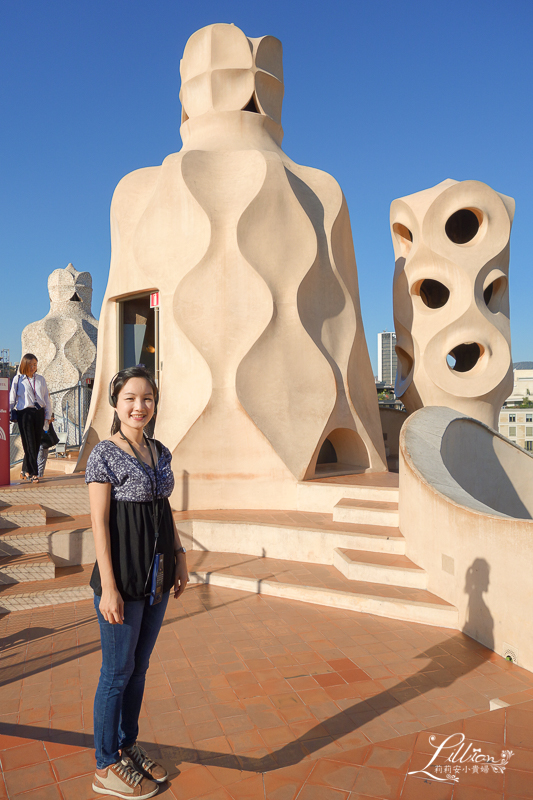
29 397
139 560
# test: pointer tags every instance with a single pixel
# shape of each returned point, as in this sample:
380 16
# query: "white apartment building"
523 383
517 423
387 359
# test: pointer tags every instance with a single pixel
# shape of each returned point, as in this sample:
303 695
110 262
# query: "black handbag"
49 438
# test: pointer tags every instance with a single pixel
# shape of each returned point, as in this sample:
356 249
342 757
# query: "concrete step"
366 512
298 536
24 540
22 515
68 540
322 495
60 466
309 583
390 569
27 567
69 584
321 585
60 495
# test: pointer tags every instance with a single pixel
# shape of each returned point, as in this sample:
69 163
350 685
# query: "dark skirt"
132 535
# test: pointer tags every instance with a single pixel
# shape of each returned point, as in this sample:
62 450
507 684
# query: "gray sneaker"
143 763
123 780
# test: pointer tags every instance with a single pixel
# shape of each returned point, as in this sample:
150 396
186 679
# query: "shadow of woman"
446 663
453 658
439 673
478 623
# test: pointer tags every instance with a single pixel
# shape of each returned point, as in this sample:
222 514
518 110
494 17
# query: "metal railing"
70 407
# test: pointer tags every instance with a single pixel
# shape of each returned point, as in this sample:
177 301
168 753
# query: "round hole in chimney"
464 357
463 225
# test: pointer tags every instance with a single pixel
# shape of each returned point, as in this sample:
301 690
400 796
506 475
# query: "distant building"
517 425
4 363
7 370
523 383
516 416
387 359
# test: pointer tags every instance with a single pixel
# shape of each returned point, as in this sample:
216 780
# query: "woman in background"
29 397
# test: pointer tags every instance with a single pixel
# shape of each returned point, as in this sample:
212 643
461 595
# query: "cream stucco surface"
451 298
262 348
466 511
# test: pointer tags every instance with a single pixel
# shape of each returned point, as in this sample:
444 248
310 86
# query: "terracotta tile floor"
257 697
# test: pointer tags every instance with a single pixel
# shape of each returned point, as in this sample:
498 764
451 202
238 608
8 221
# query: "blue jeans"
126 651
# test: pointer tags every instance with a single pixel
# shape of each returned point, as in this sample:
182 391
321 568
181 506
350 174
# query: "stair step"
294 535
60 495
387 568
26 568
283 553
23 540
22 516
377 538
322 494
319 584
68 540
367 512
69 584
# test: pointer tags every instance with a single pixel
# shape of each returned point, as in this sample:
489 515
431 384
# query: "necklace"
140 450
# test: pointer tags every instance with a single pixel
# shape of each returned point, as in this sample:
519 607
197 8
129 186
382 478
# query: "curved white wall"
466 502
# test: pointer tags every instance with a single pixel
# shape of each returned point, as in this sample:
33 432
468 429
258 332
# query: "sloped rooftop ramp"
466 512
470 463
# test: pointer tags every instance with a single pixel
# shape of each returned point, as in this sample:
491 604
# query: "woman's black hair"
118 383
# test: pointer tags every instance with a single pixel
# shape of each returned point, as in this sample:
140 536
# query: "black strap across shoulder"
153 483
155 504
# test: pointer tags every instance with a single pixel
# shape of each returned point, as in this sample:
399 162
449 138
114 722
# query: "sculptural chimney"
259 345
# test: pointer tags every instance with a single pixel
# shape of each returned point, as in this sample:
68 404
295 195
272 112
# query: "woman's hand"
181 578
112 607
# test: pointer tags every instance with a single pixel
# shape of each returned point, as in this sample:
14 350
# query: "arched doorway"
342 452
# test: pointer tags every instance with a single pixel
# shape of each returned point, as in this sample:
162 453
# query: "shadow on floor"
430 676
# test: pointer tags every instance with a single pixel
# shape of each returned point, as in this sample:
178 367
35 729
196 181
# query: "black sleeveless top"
131 524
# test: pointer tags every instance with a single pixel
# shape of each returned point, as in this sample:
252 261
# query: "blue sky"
388 97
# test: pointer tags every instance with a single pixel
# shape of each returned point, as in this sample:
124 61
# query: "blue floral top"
133 535
108 463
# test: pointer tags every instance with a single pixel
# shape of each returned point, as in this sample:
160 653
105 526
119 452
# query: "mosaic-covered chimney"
65 340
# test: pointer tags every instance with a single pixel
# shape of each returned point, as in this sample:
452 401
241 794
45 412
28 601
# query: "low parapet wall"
466 502
391 422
